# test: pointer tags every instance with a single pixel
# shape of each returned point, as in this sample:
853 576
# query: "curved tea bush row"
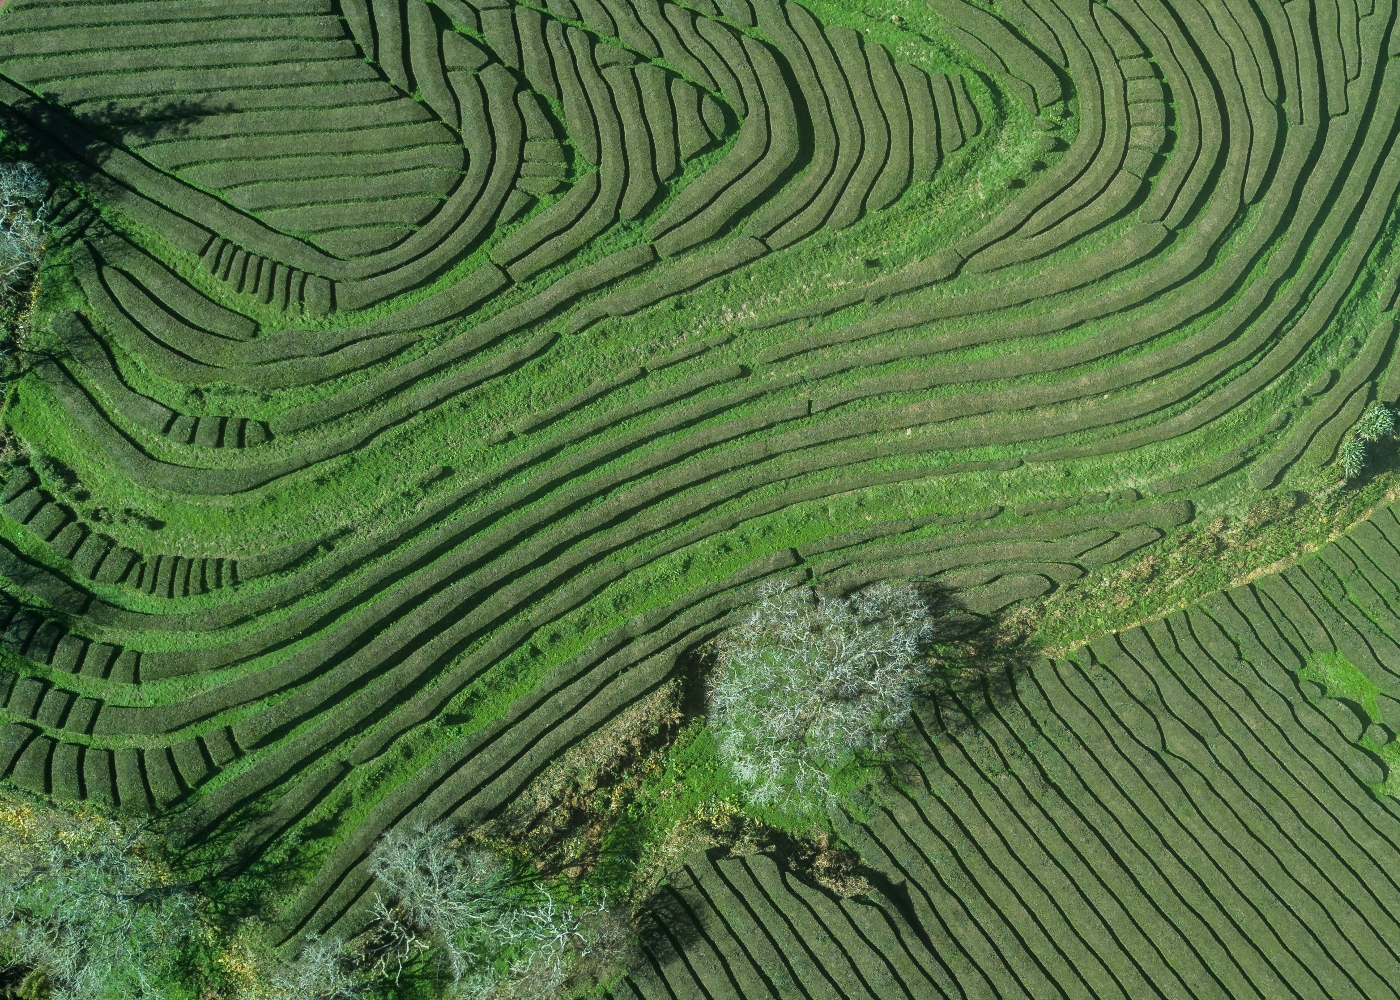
1173 809
96 556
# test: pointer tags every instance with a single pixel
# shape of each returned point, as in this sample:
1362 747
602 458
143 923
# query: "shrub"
1378 421
1352 457
84 904
809 686
501 934
22 236
323 970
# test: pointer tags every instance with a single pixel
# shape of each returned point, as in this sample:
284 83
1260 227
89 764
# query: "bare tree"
22 242
808 684
84 902
502 935
322 970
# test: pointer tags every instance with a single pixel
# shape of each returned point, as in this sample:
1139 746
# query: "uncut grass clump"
1376 423
810 690
1352 457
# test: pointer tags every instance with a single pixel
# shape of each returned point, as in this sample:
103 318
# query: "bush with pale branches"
23 234
500 934
324 969
808 686
86 904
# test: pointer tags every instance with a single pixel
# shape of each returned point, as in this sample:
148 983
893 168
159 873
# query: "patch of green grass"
1341 679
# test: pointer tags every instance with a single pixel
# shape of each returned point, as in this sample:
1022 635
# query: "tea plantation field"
1202 806
414 387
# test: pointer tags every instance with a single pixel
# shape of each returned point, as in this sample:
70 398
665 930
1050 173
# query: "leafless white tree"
322 970
807 683
81 900
22 240
502 937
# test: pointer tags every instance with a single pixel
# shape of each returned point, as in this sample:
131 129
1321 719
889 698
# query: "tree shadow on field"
77 142
977 660
74 151
76 148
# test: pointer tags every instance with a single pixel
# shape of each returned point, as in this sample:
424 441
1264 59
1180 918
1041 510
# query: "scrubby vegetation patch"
810 687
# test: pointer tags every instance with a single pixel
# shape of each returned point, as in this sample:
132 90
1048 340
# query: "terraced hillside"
419 382
1166 812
